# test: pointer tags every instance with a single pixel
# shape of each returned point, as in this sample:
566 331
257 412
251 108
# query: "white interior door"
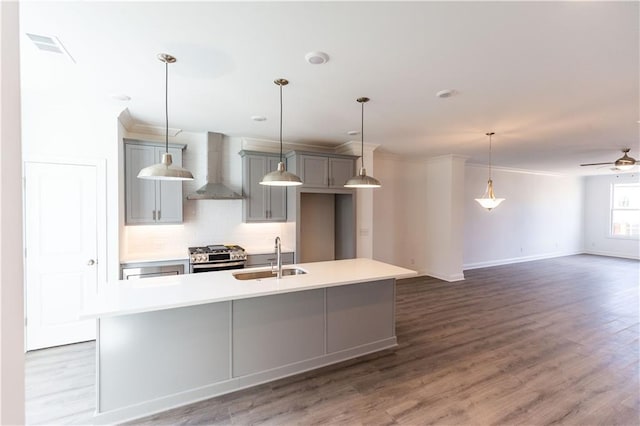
61 252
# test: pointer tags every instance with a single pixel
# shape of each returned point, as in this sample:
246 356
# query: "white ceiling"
557 81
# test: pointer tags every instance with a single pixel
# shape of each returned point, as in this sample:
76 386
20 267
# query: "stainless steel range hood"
214 189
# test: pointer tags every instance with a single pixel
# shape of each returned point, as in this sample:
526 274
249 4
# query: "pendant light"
165 170
281 177
361 180
489 200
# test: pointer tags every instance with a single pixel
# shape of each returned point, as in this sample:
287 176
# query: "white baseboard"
449 278
509 261
611 254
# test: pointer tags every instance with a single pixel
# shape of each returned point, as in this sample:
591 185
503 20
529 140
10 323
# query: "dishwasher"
150 269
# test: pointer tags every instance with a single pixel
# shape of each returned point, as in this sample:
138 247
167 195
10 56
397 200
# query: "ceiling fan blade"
595 164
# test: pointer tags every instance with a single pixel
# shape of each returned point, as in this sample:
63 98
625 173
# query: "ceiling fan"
623 163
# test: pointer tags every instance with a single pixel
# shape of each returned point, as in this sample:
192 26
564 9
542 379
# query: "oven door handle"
216 265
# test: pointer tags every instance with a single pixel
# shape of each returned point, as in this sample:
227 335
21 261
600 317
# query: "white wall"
83 128
444 191
11 287
541 217
597 202
399 212
205 221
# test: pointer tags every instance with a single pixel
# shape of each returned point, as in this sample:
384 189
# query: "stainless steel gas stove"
216 257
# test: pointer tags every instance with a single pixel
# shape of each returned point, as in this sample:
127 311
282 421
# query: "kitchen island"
169 341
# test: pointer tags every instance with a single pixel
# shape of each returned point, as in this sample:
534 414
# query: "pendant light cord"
362 133
281 123
490 134
166 106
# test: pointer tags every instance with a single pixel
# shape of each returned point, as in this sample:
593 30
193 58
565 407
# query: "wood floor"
538 343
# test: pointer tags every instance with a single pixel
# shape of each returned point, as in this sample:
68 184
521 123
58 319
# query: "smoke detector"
316 58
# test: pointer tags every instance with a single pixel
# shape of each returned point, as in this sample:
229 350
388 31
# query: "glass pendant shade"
361 180
281 177
165 170
489 200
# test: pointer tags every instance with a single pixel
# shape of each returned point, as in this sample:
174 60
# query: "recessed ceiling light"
258 118
447 93
353 132
316 58
120 97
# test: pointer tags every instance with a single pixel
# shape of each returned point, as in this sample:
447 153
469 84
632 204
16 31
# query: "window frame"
613 208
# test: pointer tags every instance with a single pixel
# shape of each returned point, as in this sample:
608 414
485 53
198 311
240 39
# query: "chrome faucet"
279 257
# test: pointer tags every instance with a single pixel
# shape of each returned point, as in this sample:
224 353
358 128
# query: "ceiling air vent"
49 44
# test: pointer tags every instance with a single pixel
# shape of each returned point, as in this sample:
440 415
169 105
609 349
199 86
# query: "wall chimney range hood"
214 189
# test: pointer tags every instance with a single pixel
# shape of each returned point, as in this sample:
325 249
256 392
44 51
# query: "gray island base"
153 361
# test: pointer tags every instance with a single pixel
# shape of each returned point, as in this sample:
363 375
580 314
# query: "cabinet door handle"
154 215
159 214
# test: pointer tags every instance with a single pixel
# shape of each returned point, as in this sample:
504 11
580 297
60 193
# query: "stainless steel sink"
256 275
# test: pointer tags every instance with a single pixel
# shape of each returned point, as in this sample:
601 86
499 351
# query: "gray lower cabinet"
261 203
148 361
254 260
150 201
265 336
322 170
148 356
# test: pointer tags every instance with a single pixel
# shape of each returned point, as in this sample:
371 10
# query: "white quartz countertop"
167 292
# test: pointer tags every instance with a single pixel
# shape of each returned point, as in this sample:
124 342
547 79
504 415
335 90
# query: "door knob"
91 262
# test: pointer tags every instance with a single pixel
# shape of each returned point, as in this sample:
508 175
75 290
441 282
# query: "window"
625 210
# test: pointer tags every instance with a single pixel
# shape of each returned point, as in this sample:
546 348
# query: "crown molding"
126 120
514 170
132 126
148 129
267 145
353 147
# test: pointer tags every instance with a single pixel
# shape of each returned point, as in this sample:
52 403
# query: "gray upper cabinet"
261 203
340 171
149 201
322 170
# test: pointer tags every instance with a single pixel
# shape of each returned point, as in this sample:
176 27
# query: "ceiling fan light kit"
361 180
281 177
488 199
623 163
165 170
